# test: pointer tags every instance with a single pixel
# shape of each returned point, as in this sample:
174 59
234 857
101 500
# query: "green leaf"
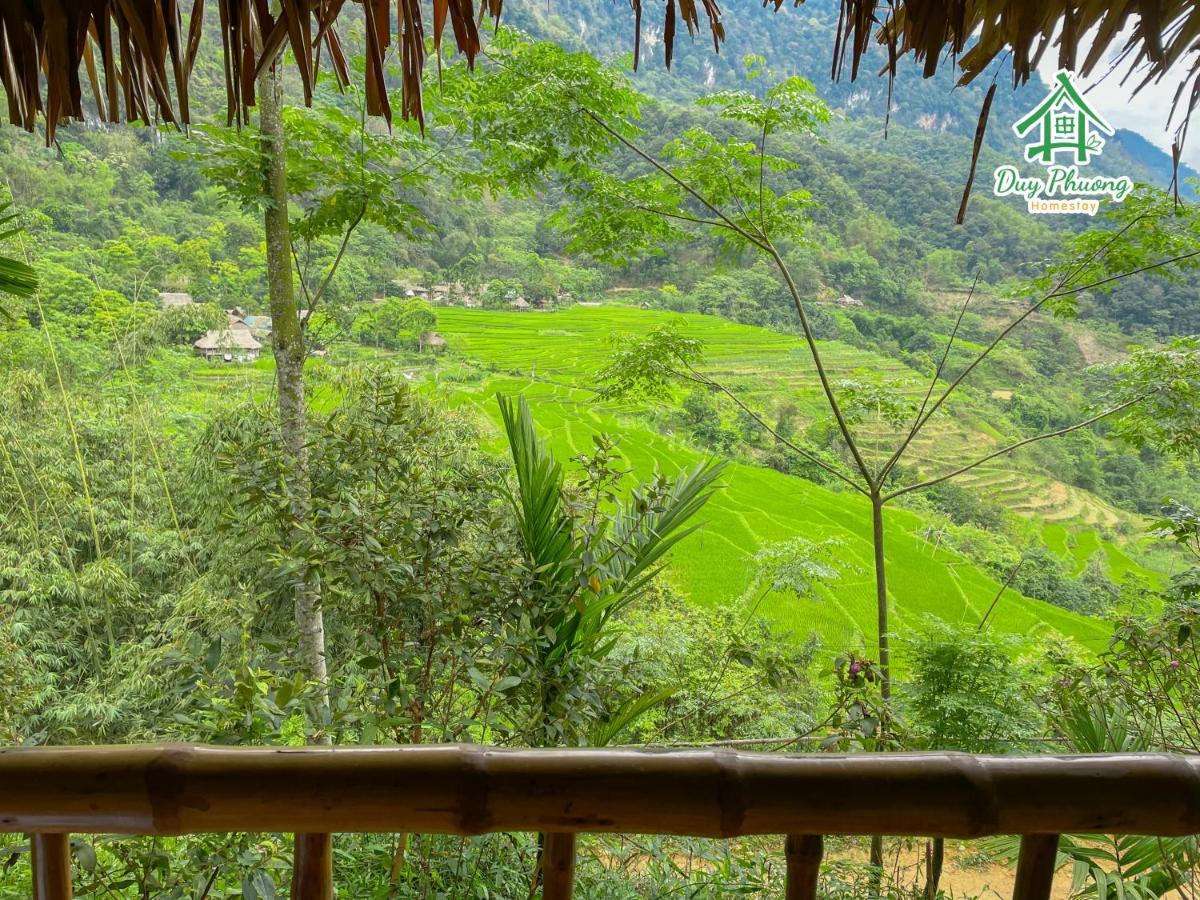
85 855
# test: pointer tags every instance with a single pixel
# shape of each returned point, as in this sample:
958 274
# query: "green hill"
551 357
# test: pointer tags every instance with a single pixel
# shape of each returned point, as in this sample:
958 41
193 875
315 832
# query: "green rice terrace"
552 358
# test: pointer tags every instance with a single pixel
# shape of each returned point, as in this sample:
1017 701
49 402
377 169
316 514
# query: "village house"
260 326
173 300
240 320
230 345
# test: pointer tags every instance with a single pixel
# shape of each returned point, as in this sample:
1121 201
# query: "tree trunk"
885 665
881 594
288 346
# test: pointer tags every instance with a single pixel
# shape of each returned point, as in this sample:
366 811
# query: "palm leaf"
16 277
543 522
640 543
619 721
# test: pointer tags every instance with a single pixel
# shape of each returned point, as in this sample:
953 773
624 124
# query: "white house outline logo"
1067 125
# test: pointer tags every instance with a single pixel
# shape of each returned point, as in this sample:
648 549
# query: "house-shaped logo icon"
1068 125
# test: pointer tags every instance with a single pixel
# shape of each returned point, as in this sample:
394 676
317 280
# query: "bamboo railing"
469 790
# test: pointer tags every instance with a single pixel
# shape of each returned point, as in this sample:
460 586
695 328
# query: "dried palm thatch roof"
227 340
138 54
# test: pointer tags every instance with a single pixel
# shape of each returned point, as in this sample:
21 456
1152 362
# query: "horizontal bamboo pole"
466 789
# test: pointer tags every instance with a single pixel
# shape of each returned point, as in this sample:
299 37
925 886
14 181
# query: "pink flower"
855 667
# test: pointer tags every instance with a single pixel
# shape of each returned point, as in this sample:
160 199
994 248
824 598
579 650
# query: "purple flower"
855 667
1174 664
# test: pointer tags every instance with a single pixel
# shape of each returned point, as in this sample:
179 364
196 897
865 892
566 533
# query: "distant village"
245 334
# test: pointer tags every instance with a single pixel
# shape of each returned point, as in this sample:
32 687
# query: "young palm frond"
541 515
16 277
583 576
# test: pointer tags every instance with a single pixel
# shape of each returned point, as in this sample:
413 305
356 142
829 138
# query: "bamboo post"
558 866
803 853
51 863
1035 867
312 870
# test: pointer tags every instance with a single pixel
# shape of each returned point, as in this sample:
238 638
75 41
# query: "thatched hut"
173 299
230 345
433 341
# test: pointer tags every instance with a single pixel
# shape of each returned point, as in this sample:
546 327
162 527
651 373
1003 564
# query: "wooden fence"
469 790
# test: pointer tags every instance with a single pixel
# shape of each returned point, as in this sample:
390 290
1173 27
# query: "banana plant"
582 571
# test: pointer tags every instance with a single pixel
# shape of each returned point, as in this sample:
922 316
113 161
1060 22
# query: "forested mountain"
797 40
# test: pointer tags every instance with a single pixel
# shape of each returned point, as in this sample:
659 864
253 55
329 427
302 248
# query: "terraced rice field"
766 367
551 357
759 506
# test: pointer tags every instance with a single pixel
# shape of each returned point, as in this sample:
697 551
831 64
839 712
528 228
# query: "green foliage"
584 564
967 692
727 670
340 169
866 397
184 324
1164 385
799 566
649 365
394 322
1147 229
523 112
576 111
16 277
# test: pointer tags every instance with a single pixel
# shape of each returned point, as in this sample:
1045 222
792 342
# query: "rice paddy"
552 359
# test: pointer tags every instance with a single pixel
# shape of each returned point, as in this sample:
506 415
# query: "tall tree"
323 172
287 343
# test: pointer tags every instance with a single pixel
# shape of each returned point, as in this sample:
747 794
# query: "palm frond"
16 277
543 522
640 543
623 717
